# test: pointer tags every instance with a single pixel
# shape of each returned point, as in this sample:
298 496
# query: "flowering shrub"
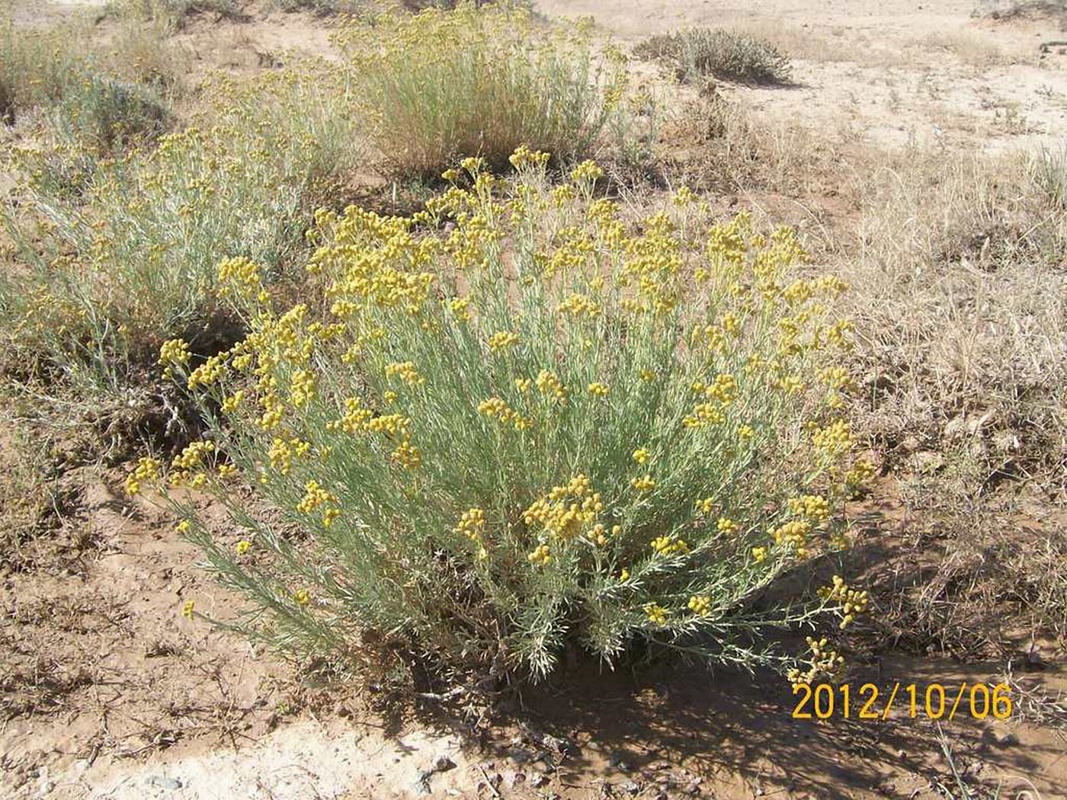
118 261
477 81
516 420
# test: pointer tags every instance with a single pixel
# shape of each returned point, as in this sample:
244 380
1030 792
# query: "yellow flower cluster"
727 527
578 305
822 662
524 157
723 391
598 390
599 535
239 277
811 507
793 535
355 417
232 402
209 372
704 414
587 171
174 352
406 371
657 614
471 524
852 602
566 510
540 556
669 546
644 483
700 605
460 308
835 439
302 387
501 340
282 451
549 383
147 469
497 408
641 455
315 497
407 455
189 464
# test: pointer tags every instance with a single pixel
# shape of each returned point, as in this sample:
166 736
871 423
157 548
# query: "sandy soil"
106 692
888 73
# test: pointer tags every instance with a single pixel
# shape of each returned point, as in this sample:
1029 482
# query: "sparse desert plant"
324 7
109 91
1048 171
131 255
107 116
535 426
175 12
701 52
37 66
446 84
960 286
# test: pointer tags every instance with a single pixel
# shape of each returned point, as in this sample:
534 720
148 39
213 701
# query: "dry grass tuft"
962 301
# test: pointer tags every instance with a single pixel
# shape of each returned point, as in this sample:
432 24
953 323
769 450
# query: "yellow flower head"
669 546
657 614
645 483
700 605
540 556
587 171
503 340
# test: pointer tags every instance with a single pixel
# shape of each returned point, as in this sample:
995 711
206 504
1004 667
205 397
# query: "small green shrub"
535 427
445 84
110 90
37 66
109 116
113 261
701 52
324 8
175 12
1048 171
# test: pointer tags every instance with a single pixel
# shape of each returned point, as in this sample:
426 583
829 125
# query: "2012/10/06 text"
933 701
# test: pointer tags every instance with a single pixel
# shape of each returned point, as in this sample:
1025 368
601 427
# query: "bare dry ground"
105 691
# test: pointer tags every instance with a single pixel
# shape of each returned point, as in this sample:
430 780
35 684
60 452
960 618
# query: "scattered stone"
163 782
1007 739
443 763
539 780
513 779
631 788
